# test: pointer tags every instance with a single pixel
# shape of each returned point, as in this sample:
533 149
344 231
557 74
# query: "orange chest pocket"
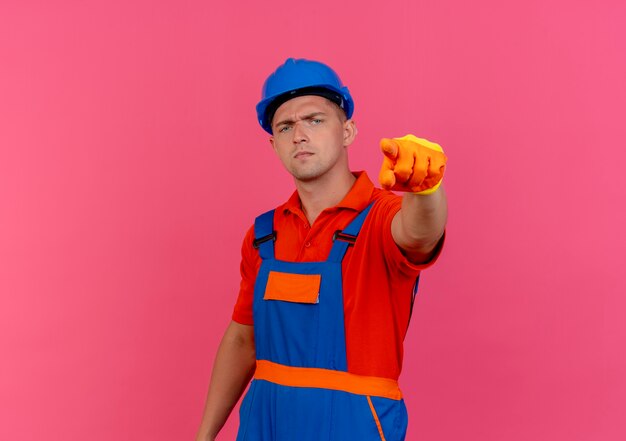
297 288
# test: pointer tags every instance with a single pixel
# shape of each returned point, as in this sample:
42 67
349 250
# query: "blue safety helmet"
297 77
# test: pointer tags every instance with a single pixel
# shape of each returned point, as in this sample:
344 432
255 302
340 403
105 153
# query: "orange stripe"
375 415
300 288
327 379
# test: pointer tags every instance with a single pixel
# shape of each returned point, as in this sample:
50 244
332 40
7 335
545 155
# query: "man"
329 277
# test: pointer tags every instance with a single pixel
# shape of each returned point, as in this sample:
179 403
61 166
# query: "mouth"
302 155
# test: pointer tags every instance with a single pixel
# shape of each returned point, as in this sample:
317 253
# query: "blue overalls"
302 390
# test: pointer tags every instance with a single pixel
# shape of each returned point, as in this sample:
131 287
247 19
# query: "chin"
306 175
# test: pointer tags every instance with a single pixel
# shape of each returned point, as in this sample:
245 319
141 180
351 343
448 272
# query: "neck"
324 192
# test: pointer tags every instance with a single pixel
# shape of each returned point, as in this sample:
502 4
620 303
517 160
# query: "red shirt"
378 279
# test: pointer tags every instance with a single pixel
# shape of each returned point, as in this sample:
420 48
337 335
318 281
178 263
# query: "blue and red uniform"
328 332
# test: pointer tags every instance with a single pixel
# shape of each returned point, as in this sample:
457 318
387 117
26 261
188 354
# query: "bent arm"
419 225
233 367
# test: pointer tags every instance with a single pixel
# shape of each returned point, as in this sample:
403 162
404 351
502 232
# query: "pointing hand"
411 164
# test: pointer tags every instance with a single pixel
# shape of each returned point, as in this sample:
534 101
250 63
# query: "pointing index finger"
389 148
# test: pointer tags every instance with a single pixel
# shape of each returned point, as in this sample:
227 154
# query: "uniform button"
307 226
308 244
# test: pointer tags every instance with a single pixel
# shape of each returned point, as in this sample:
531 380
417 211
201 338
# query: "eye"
284 129
316 121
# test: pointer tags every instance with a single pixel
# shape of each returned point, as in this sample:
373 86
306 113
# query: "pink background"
131 165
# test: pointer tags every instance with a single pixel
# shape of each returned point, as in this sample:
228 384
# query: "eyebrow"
308 116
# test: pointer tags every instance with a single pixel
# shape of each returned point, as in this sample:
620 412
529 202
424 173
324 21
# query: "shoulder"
386 205
263 224
376 229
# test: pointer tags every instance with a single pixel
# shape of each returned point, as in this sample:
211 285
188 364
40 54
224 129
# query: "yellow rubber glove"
411 164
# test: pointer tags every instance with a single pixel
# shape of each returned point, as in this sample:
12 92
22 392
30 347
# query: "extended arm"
418 227
416 166
232 370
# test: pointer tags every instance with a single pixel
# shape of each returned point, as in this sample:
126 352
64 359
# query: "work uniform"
310 384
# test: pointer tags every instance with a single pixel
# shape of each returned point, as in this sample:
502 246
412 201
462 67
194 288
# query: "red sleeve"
250 263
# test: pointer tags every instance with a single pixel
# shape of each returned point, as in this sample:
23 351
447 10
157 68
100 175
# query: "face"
310 137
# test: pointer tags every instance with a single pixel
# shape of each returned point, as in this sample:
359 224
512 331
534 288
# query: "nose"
299 133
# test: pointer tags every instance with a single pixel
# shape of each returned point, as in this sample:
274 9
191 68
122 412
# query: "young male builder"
328 277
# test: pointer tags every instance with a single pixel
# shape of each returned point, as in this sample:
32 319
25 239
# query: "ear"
271 140
349 132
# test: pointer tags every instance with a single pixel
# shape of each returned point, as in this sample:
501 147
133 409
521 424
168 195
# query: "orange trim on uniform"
327 379
290 287
376 420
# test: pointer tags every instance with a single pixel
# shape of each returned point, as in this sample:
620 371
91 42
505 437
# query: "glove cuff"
431 189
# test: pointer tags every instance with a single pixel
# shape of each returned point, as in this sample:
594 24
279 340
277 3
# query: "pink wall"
124 125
